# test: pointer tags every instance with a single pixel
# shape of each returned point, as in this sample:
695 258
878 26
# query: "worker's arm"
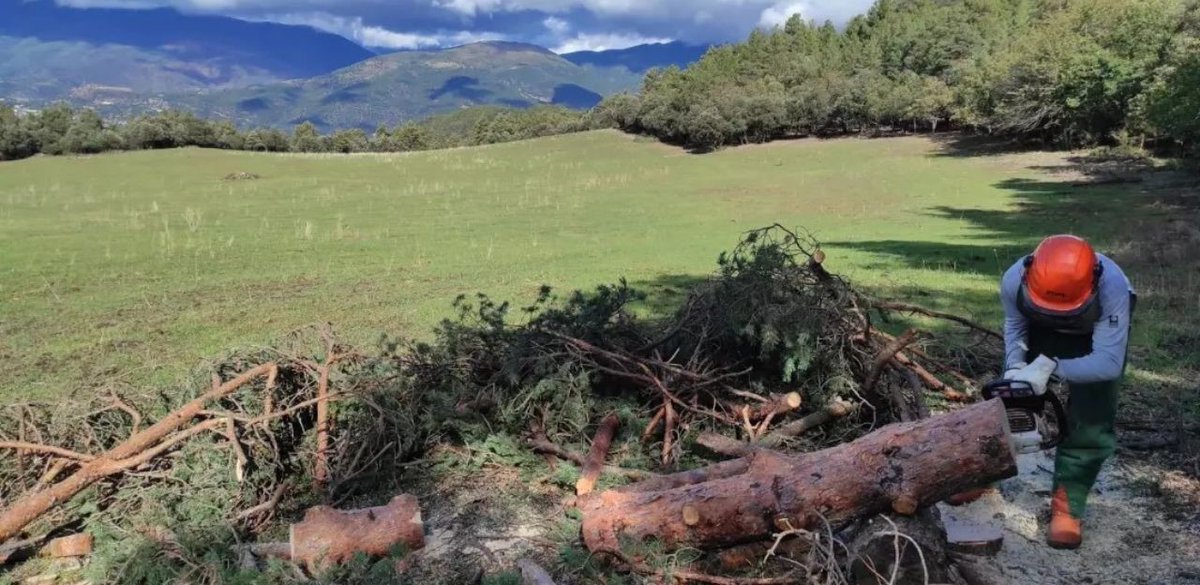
1016 327
1110 338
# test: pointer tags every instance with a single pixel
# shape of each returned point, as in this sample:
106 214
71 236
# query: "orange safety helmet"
1061 276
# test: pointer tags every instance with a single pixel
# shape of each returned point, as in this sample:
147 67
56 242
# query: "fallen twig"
885 355
658 417
267 507
670 418
594 464
836 408
239 469
908 308
544 446
724 445
931 381
45 449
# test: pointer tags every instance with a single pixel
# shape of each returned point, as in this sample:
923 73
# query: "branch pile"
759 356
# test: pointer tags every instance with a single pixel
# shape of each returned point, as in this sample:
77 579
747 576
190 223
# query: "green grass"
137 266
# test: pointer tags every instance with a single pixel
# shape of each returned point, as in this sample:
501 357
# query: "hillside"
393 88
48 51
37 71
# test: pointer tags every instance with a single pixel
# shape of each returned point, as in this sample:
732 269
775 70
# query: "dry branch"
136 450
836 409
931 381
885 355
908 308
724 445
658 417
594 464
545 446
669 420
21 447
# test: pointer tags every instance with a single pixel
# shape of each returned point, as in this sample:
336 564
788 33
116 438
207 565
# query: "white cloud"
556 25
779 14
603 42
375 36
575 23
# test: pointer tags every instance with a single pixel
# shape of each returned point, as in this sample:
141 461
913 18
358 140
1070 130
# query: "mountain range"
122 62
403 86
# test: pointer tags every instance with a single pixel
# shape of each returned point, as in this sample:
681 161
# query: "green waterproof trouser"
1091 415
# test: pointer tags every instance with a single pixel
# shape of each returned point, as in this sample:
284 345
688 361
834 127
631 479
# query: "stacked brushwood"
757 359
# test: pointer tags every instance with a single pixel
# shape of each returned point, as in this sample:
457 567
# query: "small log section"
899 468
594 463
327 536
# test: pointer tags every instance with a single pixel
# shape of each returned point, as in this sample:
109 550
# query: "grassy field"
138 266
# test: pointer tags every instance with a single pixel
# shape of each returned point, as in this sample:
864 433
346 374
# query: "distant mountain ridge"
641 58
277 50
403 86
123 62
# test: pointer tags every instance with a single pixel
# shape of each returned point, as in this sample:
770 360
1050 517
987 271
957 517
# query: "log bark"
327 536
901 467
594 464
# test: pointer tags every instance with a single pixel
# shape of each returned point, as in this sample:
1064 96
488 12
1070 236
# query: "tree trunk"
900 467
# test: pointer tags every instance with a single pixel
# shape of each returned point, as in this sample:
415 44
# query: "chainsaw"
1030 429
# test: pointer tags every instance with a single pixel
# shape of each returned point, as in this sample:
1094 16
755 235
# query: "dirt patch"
482 523
242 176
1127 536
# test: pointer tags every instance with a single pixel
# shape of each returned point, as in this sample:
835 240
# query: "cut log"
904 466
973 538
75 545
327 536
594 463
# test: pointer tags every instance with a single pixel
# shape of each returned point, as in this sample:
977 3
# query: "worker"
1067 312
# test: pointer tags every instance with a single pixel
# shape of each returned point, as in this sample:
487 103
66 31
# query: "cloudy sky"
562 25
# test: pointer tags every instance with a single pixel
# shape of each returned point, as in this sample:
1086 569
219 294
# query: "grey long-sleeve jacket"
1110 338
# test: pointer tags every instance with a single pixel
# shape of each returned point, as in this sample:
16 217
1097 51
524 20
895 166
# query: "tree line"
1064 72
59 129
1061 72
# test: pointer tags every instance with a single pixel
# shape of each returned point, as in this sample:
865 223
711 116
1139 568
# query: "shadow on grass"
1148 221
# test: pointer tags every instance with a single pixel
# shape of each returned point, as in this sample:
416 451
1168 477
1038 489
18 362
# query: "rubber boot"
1066 531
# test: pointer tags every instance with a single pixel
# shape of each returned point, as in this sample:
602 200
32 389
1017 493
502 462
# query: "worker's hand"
1037 374
1012 370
